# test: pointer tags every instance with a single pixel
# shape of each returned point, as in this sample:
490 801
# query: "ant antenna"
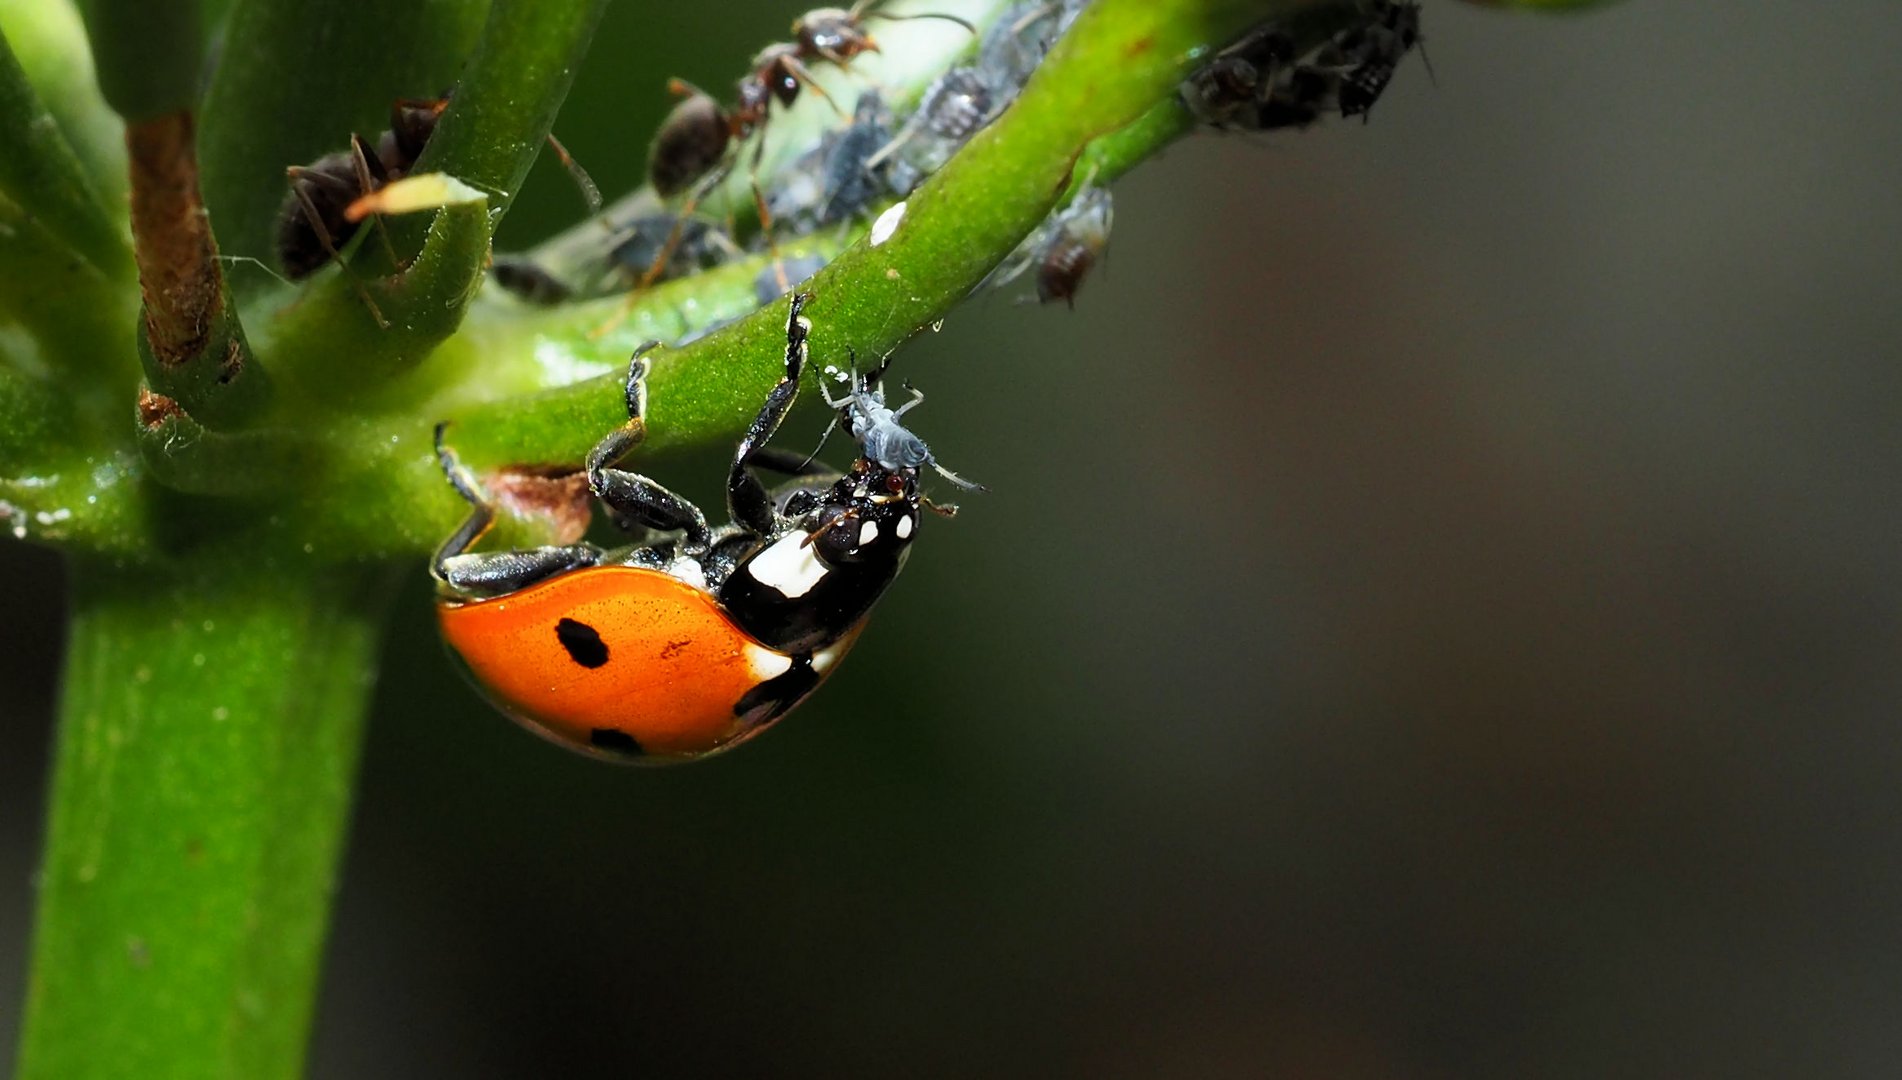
966 23
590 193
316 221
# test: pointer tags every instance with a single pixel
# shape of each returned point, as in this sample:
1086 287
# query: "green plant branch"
193 346
1122 59
198 809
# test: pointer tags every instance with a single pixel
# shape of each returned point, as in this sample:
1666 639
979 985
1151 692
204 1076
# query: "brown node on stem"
560 497
155 409
179 278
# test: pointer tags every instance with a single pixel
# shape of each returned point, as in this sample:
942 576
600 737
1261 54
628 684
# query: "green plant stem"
207 744
149 56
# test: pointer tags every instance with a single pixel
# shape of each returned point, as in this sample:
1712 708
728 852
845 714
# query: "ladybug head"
870 515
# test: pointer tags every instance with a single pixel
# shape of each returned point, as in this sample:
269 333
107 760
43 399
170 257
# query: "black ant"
694 149
313 224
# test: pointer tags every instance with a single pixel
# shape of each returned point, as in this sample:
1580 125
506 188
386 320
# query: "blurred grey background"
1437 615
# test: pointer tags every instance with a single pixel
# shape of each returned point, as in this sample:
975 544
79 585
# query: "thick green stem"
207 743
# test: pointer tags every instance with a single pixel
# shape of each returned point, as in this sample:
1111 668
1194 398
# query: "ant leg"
701 190
804 74
496 572
633 500
369 181
746 498
766 230
316 222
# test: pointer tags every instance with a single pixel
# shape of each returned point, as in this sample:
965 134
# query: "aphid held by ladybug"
692 643
874 425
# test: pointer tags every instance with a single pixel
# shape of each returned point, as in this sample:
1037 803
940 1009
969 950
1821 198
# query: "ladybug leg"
481 512
806 491
633 500
497 572
746 498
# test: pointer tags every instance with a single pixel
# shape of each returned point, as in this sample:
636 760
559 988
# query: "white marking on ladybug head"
766 663
868 532
790 566
903 528
887 224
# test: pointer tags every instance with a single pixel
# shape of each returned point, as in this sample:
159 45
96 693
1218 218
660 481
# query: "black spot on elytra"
584 646
618 741
771 699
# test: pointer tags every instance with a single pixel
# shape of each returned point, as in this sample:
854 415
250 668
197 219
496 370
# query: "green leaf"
44 180
49 40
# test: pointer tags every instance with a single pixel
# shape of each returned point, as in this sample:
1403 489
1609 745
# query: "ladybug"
676 649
